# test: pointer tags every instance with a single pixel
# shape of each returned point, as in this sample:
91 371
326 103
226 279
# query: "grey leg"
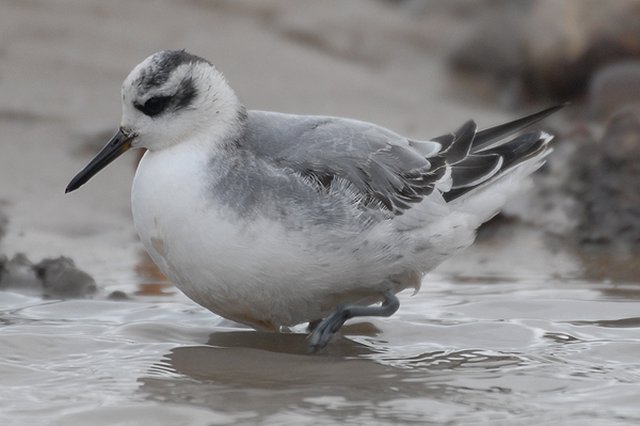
322 332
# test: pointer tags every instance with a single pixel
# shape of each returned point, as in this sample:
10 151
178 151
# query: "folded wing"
389 171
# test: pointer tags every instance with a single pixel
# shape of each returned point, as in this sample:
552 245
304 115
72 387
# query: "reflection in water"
151 282
287 343
147 270
249 374
155 289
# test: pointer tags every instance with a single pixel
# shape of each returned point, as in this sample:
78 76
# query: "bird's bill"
118 145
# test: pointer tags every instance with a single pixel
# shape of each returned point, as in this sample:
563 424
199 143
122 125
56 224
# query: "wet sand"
512 332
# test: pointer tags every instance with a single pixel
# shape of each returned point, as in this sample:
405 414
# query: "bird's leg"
321 334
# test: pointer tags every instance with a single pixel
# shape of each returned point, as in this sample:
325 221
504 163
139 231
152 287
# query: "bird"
273 220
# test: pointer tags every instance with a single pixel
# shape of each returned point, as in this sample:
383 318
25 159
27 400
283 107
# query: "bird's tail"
494 164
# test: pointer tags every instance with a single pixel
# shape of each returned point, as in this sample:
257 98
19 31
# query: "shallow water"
463 350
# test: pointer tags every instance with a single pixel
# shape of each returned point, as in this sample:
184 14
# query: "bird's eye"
154 105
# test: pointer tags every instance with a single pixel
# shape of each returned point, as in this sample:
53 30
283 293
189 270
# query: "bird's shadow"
250 357
296 343
239 368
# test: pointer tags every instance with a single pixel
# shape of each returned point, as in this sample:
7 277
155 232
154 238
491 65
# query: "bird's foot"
322 332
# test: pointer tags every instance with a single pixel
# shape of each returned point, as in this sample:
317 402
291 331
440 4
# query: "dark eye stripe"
154 106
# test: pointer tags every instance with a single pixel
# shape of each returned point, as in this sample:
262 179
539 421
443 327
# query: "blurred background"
419 67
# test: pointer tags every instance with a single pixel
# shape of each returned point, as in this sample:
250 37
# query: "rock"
568 41
118 295
614 87
57 278
19 274
605 180
587 192
61 279
551 48
487 51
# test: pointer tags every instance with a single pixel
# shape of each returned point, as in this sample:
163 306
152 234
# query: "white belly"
255 272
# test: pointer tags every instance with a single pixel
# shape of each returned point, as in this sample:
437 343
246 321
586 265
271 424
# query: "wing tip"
492 136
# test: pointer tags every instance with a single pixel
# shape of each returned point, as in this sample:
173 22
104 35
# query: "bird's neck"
225 130
223 120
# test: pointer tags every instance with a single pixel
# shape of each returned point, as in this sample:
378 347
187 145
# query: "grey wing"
380 165
385 168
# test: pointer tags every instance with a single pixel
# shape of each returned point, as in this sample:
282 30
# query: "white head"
170 97
173 95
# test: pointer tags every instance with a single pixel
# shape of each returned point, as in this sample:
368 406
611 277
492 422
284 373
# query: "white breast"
183 231
251 272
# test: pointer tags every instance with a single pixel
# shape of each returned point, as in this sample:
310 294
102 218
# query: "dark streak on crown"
163 64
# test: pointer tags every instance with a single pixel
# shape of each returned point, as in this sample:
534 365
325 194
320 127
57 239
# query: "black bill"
119 144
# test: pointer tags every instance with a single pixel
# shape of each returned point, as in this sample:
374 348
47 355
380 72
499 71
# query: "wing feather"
386 169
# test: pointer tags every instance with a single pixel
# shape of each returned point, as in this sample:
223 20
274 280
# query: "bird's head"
170 97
